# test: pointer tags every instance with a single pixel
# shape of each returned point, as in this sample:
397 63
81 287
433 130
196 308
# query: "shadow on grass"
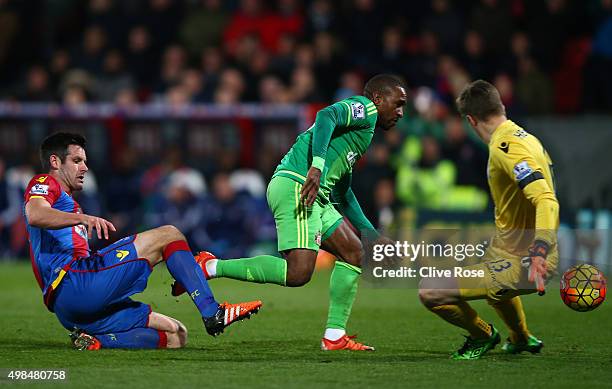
288 351
36 345
291 352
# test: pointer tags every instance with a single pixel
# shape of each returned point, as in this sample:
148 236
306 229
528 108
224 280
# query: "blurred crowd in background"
544 56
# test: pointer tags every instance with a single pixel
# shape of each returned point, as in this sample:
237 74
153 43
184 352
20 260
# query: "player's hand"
310 189
536 262
102 226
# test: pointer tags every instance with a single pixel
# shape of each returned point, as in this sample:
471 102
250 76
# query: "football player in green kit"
309 194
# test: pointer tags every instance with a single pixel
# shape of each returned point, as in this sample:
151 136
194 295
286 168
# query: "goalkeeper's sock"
134 338
342 291
511 311
183 267
464 316
262 269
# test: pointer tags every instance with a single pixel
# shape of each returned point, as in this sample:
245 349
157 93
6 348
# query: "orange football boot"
228 314
346 342
82 341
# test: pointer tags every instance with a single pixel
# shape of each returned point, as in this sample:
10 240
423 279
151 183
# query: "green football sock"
262 269
342 291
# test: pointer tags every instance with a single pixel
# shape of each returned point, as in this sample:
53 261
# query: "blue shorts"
95 293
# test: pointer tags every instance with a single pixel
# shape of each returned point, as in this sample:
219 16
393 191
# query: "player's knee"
298 278
300 265
355 255
434 297
429 298
177 336
429 294
173 340
170 233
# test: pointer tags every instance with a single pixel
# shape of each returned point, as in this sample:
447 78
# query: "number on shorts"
500 265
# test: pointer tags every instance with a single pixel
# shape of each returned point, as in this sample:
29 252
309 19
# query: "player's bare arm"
40 214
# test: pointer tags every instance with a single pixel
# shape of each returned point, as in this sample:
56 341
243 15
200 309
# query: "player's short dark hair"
381 83
481 100
57 144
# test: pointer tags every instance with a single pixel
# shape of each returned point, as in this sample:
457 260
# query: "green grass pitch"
279 347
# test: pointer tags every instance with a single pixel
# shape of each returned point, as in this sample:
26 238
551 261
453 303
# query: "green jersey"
340 135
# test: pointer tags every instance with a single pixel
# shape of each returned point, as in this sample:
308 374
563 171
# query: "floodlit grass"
280 346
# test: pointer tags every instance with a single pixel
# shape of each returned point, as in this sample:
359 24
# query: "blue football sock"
134 338
183 267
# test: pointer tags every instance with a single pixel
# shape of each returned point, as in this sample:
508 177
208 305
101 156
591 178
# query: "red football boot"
82 341
346 342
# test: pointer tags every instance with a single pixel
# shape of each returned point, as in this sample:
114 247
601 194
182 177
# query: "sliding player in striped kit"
90 292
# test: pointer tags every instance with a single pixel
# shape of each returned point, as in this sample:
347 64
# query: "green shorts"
298 226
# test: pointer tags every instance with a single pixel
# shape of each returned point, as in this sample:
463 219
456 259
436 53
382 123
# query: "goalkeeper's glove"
536 263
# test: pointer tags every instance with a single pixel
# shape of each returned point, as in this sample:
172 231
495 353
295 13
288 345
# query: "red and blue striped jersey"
51 250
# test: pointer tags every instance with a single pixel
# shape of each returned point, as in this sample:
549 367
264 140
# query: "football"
583 287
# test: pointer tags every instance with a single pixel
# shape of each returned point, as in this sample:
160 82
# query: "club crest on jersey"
39 189
521 170
351 157
358 111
